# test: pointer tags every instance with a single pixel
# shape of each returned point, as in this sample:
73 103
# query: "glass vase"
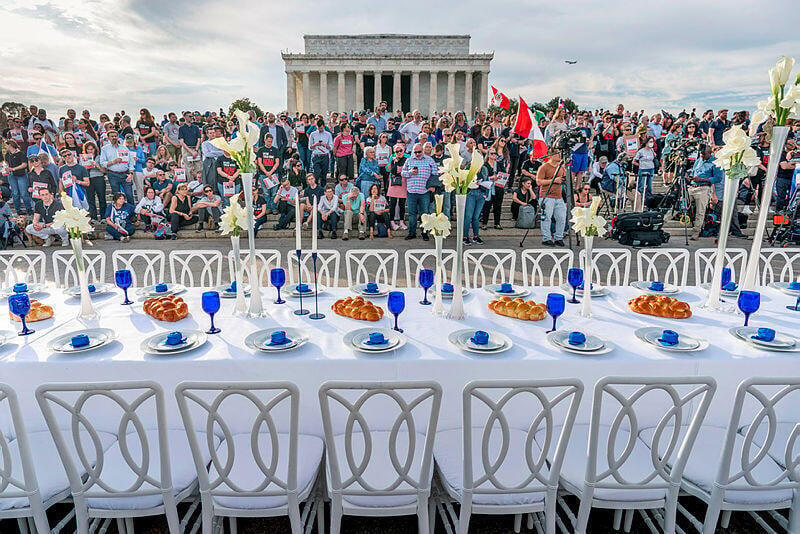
586 304
438 305
87 310
457 306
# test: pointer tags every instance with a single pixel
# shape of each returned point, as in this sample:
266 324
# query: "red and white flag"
529 129
499 99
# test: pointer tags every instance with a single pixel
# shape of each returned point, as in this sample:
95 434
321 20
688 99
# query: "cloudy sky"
176 54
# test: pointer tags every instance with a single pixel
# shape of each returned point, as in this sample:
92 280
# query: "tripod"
568 182
679 192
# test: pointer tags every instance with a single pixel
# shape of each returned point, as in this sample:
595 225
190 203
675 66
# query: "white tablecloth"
26 363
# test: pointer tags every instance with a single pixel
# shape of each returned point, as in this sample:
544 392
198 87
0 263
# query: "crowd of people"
372 173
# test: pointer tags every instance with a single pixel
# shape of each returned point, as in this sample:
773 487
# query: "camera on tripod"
568 138
685 148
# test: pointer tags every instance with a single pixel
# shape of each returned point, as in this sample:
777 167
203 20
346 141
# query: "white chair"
735 258
182 264
546 267
379 448
668 265
751 465
424 258
328 262
27 266
779 265
371 266
266 260
146 266
615 262
489 266
147 470
264 468
626 470
65 273
492 464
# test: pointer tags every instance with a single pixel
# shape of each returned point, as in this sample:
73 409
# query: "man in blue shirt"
189 135
417 170
320 142
705 174
117 160
377 121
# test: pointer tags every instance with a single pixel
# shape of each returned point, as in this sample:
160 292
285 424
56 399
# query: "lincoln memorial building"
355 72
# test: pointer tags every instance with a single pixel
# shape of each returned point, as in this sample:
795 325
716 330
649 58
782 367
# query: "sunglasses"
209 190
418 152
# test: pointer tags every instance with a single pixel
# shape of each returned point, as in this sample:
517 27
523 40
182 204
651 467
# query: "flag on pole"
560 102
499 99
529 129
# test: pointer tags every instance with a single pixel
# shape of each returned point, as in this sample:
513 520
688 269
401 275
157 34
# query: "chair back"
371 266
328 262
183 263
779 265
735 258
423 258
27 266
12 486
146 266
66 273
546 267
615 262
266 260
668 265
489 266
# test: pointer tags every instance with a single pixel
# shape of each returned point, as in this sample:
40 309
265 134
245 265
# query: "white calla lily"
233 219
783 69
75 220
453 177
586 222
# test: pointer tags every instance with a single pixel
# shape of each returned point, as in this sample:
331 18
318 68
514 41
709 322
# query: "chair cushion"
118 475
513 471
246 474
777 449
50 473
701 469
635 469
379 472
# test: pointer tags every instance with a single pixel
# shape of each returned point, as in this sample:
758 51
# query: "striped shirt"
417 183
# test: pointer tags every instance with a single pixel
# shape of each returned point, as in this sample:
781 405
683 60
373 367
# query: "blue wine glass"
426 281
211 304
397 303
555 307
20 305
575 279
748 302
277 278
124 280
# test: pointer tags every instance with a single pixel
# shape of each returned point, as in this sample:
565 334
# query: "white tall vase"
87 310
728 203
457 306
438 305
586 304
779 134
240 306
256 306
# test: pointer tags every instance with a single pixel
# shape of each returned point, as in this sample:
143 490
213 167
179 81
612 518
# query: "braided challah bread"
527 310
39 312
169 309
660 306
357 308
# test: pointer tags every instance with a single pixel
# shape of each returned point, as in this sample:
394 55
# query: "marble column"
484 90
306 93
291 94
434 92
341 93
451 91
378 90
468 93
396 104
359 90
415 89
323 91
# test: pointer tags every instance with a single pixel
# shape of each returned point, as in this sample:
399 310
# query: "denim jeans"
226 201
644 182
113 232
119 184
96 196
472 212
19 192
305 156
320 163
447 203
417 204
554 208
269 195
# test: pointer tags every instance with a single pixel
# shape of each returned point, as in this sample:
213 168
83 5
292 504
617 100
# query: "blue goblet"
20 305
396 303
277 278
426 281
575 279
211 304
555 307
748 302
726 276
796 306
124 280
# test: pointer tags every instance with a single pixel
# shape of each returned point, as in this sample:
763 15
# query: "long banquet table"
25 363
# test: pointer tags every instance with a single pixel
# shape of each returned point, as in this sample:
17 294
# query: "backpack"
526 218
163 231
382 230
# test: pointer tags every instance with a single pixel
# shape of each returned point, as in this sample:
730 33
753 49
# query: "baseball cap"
603 159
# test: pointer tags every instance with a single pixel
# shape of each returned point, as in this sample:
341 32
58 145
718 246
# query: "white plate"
669 289
383 290
518 291
605 350
592 344
150 291
293 292
686 343
448 296
99 289
781 341
33 288
784 287
349 338
97 338
597 290
459 339
6 336
360 340
224 293
724 293
156 344
258 340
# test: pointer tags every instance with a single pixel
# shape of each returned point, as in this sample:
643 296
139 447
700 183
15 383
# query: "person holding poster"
73 179
228 181
268 160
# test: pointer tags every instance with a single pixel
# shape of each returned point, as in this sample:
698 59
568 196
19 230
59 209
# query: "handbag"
527 217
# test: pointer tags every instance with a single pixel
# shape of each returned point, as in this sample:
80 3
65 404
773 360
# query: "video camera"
568 138
685 147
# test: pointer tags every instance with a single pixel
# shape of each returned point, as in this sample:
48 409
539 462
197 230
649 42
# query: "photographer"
550 178
607 134
704 174
783 179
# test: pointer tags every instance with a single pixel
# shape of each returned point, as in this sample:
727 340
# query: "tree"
512 108
12 108
245 105
552 105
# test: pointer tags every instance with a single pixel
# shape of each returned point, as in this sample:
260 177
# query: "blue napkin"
794 286
371 287
232 288
80 340
730 286
506 288
447 288
175 338
580 287
161 288
480 337
92 289
577 338
20 287
376 338
279 338
303 288
656 286
668 338
764 334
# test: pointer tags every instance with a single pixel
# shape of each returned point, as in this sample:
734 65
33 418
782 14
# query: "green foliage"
245 105
552 105
513 105
13 108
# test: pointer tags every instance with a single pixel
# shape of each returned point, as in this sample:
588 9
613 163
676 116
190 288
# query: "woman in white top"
382 153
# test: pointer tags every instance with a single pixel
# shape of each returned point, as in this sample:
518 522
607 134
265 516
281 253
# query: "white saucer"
784 288
97 338
293 292
352 340
669 289
6 336
224 293
686 343
723 292
155 344
596 291
781 341
592 343
460 338
448 296
574 350
99 289
33 288
150 291
494 289
359 289
258 340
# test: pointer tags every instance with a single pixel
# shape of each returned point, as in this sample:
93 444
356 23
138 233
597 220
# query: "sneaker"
393 225
64 242
361 236
467 242
548 243
560 243
477 240
498 227
410 237
747 211
305 225
125 239
108 237
320 234
345 236
48 242
425 236
402 225
333 234
173 237
199 228
483 226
